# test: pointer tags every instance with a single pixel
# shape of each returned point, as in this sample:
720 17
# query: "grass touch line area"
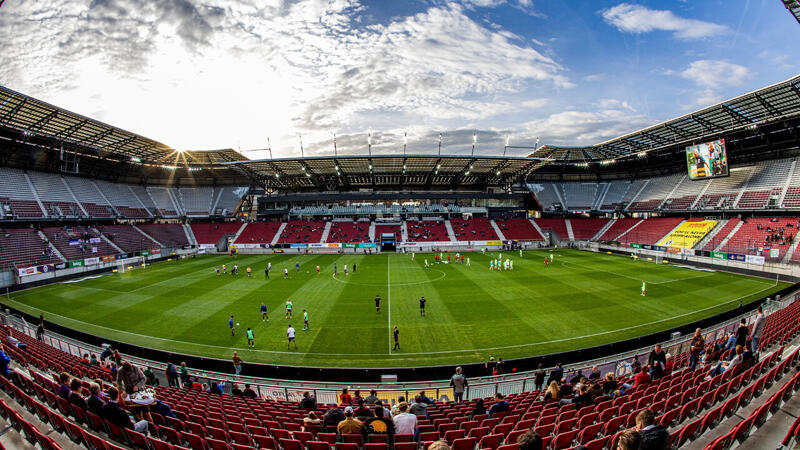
584 299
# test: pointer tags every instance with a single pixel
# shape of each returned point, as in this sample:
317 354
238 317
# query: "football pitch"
581 299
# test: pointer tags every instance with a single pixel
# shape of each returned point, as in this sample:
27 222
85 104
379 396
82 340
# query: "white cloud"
716 73
585 127
231 73
639 19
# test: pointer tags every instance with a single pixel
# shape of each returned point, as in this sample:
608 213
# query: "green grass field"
582 299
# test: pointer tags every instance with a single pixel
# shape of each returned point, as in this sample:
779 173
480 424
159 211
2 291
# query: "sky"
248 74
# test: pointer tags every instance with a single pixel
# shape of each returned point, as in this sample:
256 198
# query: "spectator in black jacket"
741 333
94 402
332 418
658 362
654 437
308 402
75 396
556 374
114 413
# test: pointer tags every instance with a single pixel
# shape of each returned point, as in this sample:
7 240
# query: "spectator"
75 396
85 359
478 410
308 401
629 440
730 343
106 353
95 402
172 374
4 361
439 445
93 361
419 408
332 418
635 364
654 436
697 346
237 363
249 392
63 388
311 419
758 329
196 385
556 374
643 377
130 378
458 382
425 399
595 390
236 391
579 400
372 397
576 379
345 398
538 378
499 405
530 440
150 377
741 333
658 362
553 392
595 375
362 411
611 384
214 389
395 408
356 397
386 412
114 413
349 425
184 374
405 422
380 425
724 366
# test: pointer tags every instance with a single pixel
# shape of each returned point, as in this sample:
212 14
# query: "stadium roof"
769 104
357 171
37 118
794 7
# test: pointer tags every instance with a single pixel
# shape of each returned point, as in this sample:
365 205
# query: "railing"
481 387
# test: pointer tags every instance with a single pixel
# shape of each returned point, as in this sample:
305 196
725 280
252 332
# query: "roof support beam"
736 115
677 131
10 115
72 129
120 143
657 139
97 137
43 121
709 126
767 105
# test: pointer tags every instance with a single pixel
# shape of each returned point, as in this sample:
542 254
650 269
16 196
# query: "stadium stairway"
404 231
497 230
541 233
52 247
190 234
450 233
326 231
372 231
711 234
630 229
147 236
603 230
278 234
108 241
36 195
570 233
239 231
729 236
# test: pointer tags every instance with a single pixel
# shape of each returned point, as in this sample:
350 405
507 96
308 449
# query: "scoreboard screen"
707 160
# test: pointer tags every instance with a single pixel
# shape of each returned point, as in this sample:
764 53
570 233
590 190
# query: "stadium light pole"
269 147
506 147
440 144
334 145
474 141
369 143
301 146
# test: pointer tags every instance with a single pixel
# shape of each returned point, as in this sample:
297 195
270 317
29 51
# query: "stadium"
384 269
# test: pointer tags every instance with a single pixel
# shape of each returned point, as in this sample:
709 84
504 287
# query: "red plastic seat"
563 440
490 441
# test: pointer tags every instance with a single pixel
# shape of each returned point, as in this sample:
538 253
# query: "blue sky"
232 73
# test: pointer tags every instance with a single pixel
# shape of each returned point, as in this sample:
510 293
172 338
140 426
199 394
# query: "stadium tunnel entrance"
388 242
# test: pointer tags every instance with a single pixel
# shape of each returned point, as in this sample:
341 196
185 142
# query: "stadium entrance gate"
388 242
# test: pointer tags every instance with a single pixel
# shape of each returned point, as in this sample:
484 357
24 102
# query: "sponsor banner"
635 245
144 253
243 246
719 255
91 261
60 266
688 234
74 242
774 253
754 259
25 271
334 245
349 245
78 263
317 245
108 258
647 246
494 242
736 257
368 245
659 248
155 251
211 245
298 245
122 256
95 240
675 250
688 251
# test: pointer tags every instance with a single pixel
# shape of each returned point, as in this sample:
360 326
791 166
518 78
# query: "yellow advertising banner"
688 234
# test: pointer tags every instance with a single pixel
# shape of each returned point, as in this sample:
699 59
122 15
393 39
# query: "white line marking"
564 263
414 283
389 298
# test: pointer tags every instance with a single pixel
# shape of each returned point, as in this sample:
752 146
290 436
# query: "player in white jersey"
290 335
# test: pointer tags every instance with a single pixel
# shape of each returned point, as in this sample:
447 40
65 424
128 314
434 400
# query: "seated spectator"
439 445
553 392
372 397
75 396
63 388
405 422
581 399
362 411
196 385
419 408
380 425
308 401
386 412
345 398
629 440
595 390
595 375
236 391
350 425
95 402
356 397
85 359
724 366
425 399
610 385
395 410
332 418
311 419
530 440
499 405
478 410
565 389
114 413
4 361
93 361
130 378
249 392
150 377
654 436
642 377
214 389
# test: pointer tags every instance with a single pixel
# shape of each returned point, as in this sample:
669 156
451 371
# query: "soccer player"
230 325
251 343
266 273
248 272
269 266
551 257
546 261
217 271
467 262
448 259
345 269
426 262
412 255
264 315
288 309
317 269
290 336
520 253
422 306
377 303
396 334
511 264
297 266
305 320
224 269
644 288
354 267
334 268
285 273
235 269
